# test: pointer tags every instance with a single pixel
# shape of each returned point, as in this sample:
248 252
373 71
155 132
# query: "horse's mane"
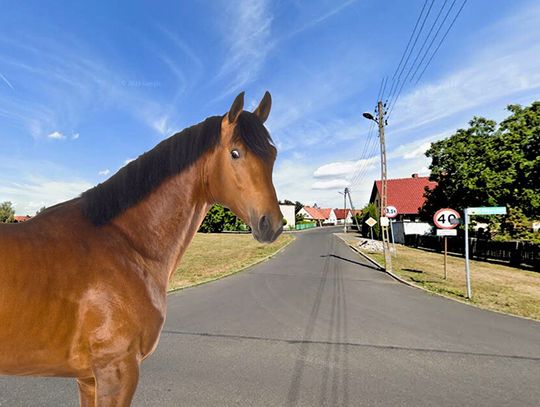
137 179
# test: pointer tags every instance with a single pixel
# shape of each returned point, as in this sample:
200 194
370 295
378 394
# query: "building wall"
332 219
288 212
410 228
307 216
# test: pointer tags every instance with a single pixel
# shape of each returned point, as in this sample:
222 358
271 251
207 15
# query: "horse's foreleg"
116 383
87 392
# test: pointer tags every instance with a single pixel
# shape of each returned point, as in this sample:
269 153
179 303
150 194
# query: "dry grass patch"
497 287
212 256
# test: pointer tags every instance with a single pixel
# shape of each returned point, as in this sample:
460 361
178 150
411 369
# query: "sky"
87 86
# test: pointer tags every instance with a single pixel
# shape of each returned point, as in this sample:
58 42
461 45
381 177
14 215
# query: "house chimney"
415 175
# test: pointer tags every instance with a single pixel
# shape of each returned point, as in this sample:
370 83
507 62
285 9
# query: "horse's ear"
236 108
263 110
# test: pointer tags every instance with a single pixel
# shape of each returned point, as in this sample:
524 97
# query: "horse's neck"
162 225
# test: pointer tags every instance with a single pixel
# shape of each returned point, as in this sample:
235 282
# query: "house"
405 194
329 216
21 218
323 216
343 216
313 213
288 212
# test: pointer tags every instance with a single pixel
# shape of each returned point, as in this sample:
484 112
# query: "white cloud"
344 168
75 136
163 126
247 35
56 135
104 172
322 18
6 81
418 152
32 193
330 184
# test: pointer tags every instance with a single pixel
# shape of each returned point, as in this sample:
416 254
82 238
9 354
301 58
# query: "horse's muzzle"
265 231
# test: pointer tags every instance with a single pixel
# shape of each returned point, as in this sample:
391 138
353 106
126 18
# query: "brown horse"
83 285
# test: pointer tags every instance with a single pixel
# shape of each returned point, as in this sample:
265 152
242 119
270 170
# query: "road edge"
411 284
254 263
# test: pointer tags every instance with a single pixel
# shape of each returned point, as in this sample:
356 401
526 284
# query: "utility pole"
348 191
384 195
344 210
384 190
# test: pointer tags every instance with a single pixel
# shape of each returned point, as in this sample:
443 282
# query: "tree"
41 210
7 212
369 211
219 219
488 166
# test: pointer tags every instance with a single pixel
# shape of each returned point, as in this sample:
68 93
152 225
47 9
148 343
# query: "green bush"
219 219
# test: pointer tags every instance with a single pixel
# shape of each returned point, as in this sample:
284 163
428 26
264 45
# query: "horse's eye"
235 154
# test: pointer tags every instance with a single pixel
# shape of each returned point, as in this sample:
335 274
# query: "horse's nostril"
264 224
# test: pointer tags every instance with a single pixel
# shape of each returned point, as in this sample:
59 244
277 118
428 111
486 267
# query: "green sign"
487 210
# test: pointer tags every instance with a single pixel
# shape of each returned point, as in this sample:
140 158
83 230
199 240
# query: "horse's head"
240 169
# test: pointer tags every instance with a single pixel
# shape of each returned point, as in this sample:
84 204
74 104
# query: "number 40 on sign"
446 218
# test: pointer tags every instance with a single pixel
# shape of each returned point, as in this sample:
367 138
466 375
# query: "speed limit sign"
390 211
446 218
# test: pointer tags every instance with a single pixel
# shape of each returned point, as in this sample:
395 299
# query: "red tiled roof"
406 194
341 213
325 212
315 213
21 218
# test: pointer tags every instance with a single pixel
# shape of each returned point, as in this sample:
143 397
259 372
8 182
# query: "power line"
412 48
429 34
384 87
407 47
364 152
433 39
380 89
442 40
438 46
371 150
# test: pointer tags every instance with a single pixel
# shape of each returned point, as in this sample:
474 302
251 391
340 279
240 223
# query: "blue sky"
87 86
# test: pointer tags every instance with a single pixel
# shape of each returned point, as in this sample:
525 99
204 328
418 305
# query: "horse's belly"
39 338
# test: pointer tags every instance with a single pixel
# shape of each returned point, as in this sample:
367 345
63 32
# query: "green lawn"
497 287
215 255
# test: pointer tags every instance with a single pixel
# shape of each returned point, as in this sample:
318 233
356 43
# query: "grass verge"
496 287
212 256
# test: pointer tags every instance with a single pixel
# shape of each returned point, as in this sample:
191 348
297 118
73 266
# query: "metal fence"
516 253
305 225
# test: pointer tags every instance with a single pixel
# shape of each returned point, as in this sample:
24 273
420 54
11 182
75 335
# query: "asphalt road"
317 326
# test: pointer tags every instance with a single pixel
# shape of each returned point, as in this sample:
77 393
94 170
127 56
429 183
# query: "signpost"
446 220
391 212
485 210
371 222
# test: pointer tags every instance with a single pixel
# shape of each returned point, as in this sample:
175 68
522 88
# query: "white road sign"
445 218
384 221
391 211
446 232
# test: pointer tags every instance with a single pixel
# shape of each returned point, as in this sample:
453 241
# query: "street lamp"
369 116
